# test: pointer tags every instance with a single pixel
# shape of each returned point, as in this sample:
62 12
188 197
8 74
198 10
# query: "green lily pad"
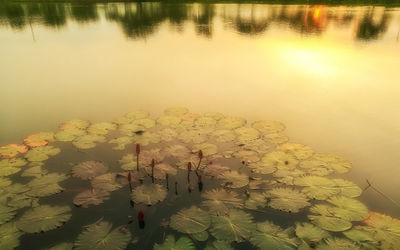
69 134
12 150
128 162
206 148
176 111
75 123
247 156
169 120
36 171
246 134
361 235
131 116
234 179
205 122
276 138
231 122
343 207
39 139
107 182
215 170
9 236
262 168
178 151
8 170
101 128
191 220
149 194
121 142
91 197
168 134
193 136
146 138
268 127
255 201
43 218
223 135
63 246
88 141
4 182
160 170
385 229
6 213
337 243
301 151
202 236
135 126
215 115
46 185
287 199
280 159
310 234
271 236
258 145
330 162
330 223
183 243
220 201
101 236
219 245
89 169
236 226
41 153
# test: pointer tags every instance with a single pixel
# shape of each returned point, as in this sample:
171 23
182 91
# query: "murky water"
329 73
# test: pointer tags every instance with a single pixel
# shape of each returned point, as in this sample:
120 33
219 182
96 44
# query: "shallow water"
329 73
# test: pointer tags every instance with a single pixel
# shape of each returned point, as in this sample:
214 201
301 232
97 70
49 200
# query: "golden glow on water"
332 75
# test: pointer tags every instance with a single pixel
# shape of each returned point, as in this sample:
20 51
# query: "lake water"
329 73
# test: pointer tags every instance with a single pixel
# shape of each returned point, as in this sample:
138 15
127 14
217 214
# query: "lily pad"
131 116
41 153
258 145
268 127
343 207
101 128
219 245
215 115
149 194
9 236
63 246
136 126
215 170
332 162
75 123
276 138
176 111
101 236
191 220
36 171
385 229
12 150
107 182
310 234
246 134
205 122
361 235
91 197
183 243
202 236
88 141
43 218
4 182
280 159
39 139
234 179
193 136
69 134
231 122
255 201
46 185
206 148
121 142
220 201
301 151
262 168
247 156
11 166
160 170
330 223
178 151
146 138
168 134
287 199
169 120
89 169
337 243
271 236
236 226
223 135
6 213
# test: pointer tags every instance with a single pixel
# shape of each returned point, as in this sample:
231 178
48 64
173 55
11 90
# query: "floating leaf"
247 156
69 134
46 185
205 122
39 139
160 170
262 168
128 162
146 138
246 134
12 150
337 243
310 234
191 220
4 182
169 120
41 153
75 123
131 116
9 236
100 236
219 245
280 159
167 134
287 199
361 235
88 141
268 127
107 182
215 170
206 148
101 128
223 135
215 115
236 226
183 243
231 122
176 111
62 246
271 236
219 201
301 151
234 179
121 142
344 208
6 213
330 223
136 126
276 138
385 229
332 162
202 236
89 169
36 171
193 136
11 166
43 218
91 197
258 145
177 151
255 200
149 194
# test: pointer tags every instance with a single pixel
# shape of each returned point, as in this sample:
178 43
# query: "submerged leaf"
219 201
191 220
89 169
91 197
101 236
149 194
183 243
236 226
271 236
287 199
234 179
43 218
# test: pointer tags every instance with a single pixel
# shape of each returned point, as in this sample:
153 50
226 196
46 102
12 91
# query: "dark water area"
327 71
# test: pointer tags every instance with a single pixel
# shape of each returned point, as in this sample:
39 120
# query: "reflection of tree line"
142 19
